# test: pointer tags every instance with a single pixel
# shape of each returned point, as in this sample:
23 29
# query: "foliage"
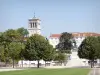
23 32
11 44
11 35
36 48
49 52
60 57
14 50
4 41
2 57
98 38
65 43
23 37
89 49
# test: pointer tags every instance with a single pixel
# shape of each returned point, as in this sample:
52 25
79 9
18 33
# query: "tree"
2 57
12 35
49 52
35 48
4 41
65 42
99 49
14 51
23 36
89 49
60 57
9 36
23 32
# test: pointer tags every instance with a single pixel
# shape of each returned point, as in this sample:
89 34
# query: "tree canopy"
37 48
66 42
14 51
60 57
10 44
89 49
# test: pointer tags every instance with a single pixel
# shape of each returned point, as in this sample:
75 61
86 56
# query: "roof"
55 35
85 34
34 19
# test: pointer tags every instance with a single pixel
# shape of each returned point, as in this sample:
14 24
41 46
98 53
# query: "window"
30 25
35 25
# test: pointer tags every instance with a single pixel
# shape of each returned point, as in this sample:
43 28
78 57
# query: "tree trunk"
91 64
45 63
13 63
6 63
38 64
22 63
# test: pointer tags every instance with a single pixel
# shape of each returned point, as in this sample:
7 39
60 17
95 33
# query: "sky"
56 16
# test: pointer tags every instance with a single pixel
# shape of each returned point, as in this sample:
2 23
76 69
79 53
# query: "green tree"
65 42
2 57
23 32
9 37
99 49
49 52
35 48
23 37
12 35
89 49
60 57
14 51
4 41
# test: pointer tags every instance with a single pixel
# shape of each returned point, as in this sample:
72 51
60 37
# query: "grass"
71 71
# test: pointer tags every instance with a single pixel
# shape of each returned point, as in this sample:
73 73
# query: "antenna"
34 14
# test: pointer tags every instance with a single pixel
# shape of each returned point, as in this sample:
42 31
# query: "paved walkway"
95 71
8 69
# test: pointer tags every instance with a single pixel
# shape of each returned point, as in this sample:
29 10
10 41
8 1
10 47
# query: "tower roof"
34 15
34 18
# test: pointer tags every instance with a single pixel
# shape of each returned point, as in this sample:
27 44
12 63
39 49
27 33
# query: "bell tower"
34 26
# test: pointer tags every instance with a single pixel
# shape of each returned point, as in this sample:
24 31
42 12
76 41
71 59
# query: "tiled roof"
85 34
55 35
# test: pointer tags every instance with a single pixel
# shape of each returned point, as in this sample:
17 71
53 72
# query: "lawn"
74 71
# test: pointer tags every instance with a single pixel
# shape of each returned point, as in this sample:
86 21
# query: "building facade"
79 37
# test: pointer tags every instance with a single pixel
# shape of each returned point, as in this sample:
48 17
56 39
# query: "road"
95 71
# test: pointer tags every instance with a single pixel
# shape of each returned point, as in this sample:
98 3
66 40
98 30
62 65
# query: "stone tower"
34 26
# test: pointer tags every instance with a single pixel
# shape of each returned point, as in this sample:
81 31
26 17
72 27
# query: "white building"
79 37
34 26
74 59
